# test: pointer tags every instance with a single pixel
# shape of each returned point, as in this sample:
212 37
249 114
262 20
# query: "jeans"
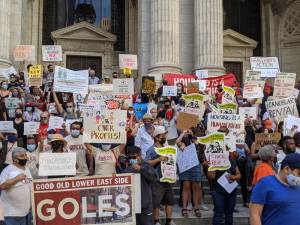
223 204
25 220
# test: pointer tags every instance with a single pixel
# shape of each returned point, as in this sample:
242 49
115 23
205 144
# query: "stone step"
208 199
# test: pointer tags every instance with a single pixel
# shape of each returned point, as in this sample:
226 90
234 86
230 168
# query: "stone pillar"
5 33
208 40
164 47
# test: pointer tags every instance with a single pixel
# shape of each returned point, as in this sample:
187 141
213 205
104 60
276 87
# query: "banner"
194 104
57 164
262 139
215 151
212 83
168 167
84 200
281 108
228 108
128 61
5 73
268 66
169 91
284 85
148 85
31 128
56 122
71 81
186 121
108 100
6 126
24 53
52 53
174 79
229 95
35 75
248 112
253 89
105 126
252 75
187 158
123 86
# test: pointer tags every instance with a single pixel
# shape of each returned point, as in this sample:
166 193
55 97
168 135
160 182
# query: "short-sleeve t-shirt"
140 109
281 202
33 160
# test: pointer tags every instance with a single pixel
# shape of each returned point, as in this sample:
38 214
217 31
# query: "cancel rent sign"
89 200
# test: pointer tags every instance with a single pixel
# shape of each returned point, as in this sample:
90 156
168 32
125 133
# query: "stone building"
177 36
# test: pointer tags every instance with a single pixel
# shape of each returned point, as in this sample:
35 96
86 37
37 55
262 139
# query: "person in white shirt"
288 147
15 183
92 77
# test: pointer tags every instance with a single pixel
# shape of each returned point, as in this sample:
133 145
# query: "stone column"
5 33
208 40
164 47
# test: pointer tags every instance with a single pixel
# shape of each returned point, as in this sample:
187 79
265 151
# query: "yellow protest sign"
127 71
35 75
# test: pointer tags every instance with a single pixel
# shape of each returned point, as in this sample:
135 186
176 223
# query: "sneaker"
204 207
157 223
189 207
172 223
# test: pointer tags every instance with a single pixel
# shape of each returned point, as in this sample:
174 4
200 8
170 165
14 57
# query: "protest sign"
268 66
168 167
52 53
252 75
128 61
212 83
24 53
108 100
201 74
295 93
230 142
186 121
253 89
248 112
194 104
99 88
127 71
228 108
291 122
192 87
6 126
57 164
284 85
280 108
12 102
187 158
229 95
85 200
56 122
169 90
5 73
174 79
71 81
123 86
105 126
148 85
262 139
215 151
35 75
31 128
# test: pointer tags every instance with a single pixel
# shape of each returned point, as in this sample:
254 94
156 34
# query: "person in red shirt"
44 124
219 94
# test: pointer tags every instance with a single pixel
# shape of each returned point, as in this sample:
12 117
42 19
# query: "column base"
4 63
213 70
161 69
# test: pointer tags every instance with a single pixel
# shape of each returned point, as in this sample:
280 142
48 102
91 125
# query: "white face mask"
106 147
293 180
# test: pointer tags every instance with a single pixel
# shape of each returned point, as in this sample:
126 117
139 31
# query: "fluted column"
208 40
165 36
5 33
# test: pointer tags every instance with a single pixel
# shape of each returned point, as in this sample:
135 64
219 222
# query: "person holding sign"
32 155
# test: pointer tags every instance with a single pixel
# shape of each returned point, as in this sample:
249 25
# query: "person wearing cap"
15 183
143 138
275 199
266 168
161 192
107 80
115 75
58 143
43 145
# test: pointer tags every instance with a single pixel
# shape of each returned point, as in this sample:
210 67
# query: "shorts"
162 193
193 174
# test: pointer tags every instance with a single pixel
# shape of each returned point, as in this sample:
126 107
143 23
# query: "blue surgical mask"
75 133
31 147
15 94
12 138
293 180
133 161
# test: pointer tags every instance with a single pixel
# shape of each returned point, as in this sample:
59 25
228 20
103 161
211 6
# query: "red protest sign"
212 83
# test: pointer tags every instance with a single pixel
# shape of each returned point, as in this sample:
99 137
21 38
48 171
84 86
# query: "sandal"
184 212
197 212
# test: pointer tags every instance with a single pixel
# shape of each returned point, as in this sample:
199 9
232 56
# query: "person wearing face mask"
75 144
4 89
44 145
44 124
275 199
15 183
13 82
38 97
30 115
19 123
58 143
32 155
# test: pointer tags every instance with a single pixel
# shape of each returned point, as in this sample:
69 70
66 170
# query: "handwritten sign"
169 90
253 89
268 66
262 139
228 108
148 85
280 108
31 128
123 86
52 53
248 112
56 122
186 121
128 61
284 85
187 158
24 53
252 75
6 126
35 75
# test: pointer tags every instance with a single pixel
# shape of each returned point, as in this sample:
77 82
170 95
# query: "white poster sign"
56 122
280 108
187 158
169 90
31 128
128 61
253 89
248 112
123 86
52 53
202 74
6 126
268 66
284 85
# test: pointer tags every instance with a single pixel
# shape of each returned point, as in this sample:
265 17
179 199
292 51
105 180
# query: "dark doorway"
75 62
236 68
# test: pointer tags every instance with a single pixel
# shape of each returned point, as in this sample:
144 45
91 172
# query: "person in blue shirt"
276 199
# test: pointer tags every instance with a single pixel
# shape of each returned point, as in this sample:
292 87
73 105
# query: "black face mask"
162 141
167 106
22 162
57 146
18 115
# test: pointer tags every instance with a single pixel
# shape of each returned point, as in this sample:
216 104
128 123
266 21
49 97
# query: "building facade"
177 36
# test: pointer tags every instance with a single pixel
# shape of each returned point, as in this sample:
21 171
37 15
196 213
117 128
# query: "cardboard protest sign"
187 158
31 128
248 112
168 168
6 126
52 53
186 121
215 151
202 74
262 139
280 108
194 104
228 108
169 90
212 83
192 87
128 61
24 53
284 85
85 200
253 89
148 85
252 75
57 164
105 126
71 81
56 122
35 75
229 95
123 86
268 66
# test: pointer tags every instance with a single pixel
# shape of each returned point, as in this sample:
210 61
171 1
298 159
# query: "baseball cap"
58 137
291 160
159 130
147 116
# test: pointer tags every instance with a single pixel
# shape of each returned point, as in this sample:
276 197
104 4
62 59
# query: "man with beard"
288 147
